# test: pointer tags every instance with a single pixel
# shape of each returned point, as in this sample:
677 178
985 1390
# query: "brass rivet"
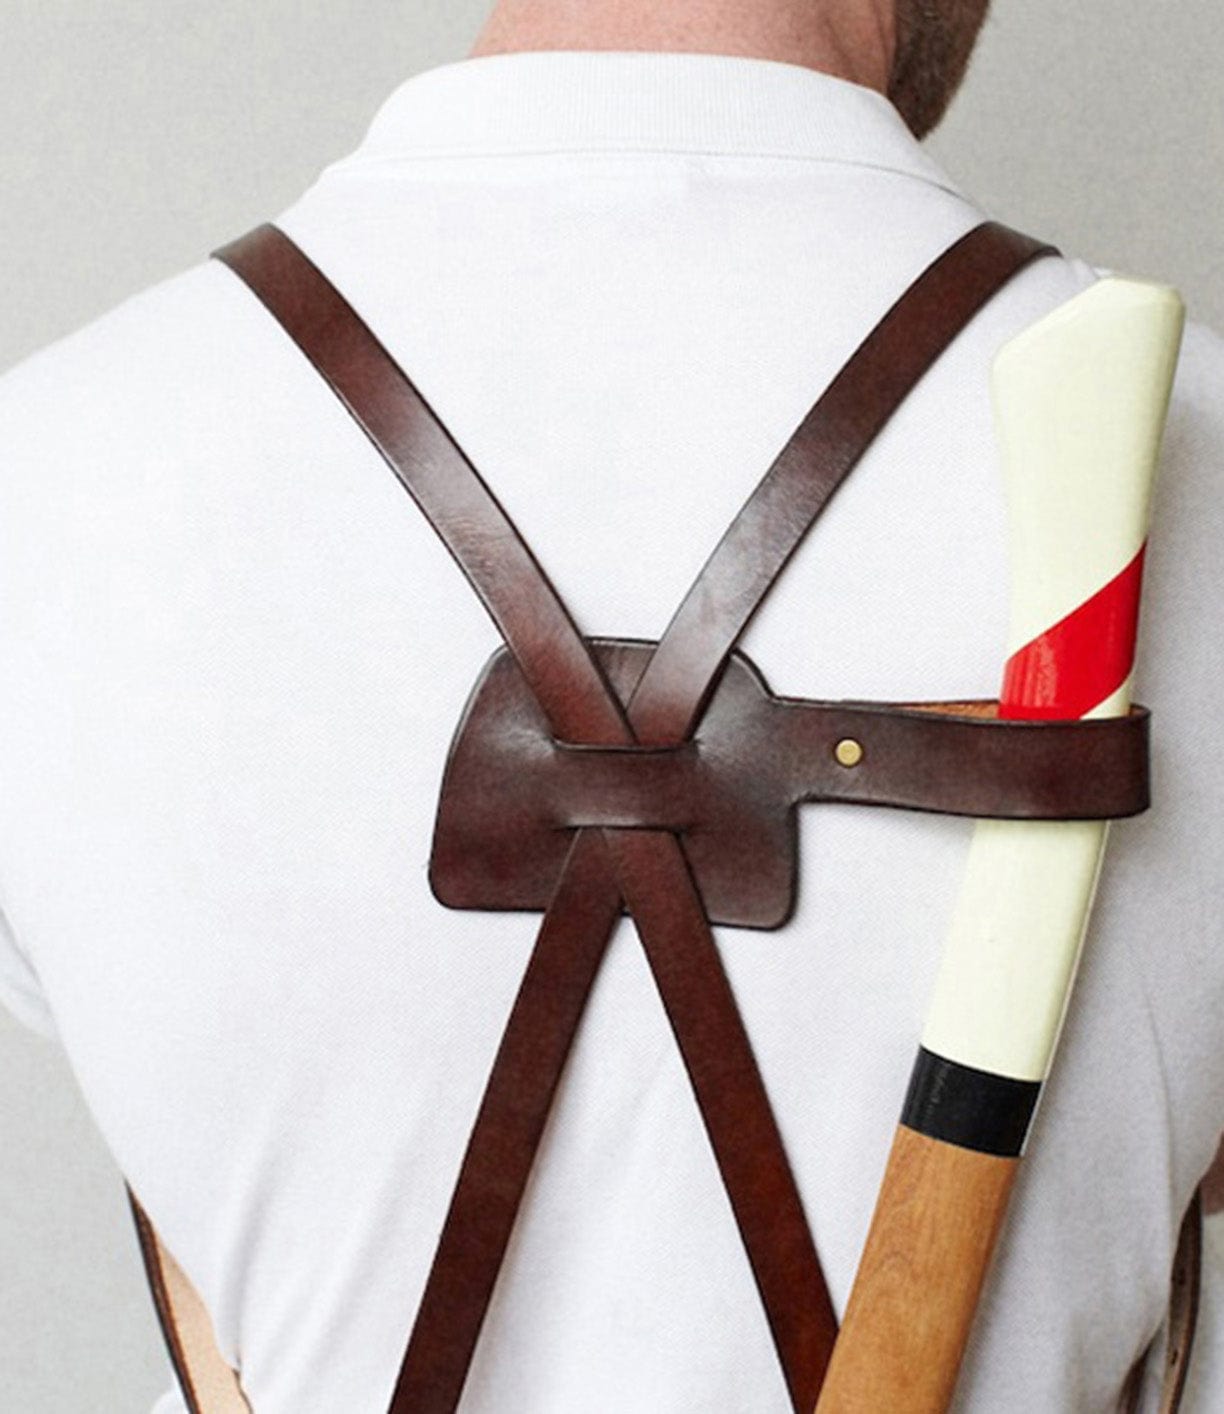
848 751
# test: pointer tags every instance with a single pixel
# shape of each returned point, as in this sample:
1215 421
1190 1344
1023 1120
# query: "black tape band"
970 1108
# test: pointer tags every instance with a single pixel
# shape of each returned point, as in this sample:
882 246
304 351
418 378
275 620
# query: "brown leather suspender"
607 728
1184 1285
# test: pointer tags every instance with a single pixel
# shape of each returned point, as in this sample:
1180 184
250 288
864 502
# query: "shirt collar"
641 101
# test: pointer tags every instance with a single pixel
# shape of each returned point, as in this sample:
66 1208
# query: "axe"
1080 402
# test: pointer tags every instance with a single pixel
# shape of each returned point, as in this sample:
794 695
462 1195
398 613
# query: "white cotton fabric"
232 655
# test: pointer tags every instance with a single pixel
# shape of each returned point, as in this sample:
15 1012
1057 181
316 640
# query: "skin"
913 51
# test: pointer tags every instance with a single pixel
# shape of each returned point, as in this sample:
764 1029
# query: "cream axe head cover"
1080 401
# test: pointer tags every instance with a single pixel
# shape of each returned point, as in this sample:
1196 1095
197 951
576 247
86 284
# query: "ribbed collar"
641 101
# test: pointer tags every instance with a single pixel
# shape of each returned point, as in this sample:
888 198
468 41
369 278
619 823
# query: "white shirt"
233 653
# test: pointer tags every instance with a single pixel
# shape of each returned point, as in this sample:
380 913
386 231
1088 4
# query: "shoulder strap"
645 868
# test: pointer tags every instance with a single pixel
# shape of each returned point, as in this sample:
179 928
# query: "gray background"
134 138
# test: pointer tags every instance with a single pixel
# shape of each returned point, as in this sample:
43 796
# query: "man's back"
233 656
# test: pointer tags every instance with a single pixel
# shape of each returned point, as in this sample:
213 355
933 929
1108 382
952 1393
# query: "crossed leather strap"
618 747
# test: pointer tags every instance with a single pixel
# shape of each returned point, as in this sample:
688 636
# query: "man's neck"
850 39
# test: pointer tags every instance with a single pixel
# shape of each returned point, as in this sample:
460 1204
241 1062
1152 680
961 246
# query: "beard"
935 39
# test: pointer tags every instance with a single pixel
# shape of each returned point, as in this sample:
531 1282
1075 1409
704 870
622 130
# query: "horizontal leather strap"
513 794
962 758
957 758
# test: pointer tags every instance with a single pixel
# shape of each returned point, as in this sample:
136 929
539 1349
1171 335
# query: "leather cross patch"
512 795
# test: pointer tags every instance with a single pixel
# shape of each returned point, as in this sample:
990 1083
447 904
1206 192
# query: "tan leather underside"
210 1385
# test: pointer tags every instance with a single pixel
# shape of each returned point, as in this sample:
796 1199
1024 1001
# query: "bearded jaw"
935 39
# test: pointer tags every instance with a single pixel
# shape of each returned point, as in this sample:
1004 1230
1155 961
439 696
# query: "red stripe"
1083 658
